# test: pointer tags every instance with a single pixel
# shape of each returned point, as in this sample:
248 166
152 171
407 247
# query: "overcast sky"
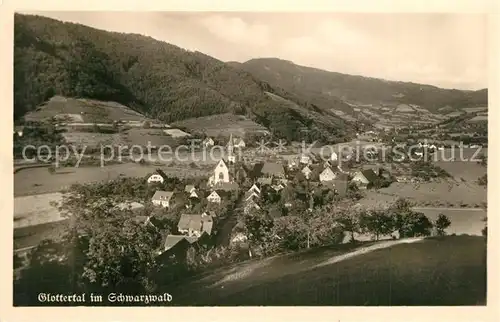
446 50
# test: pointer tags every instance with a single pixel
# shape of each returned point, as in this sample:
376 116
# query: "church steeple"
230 149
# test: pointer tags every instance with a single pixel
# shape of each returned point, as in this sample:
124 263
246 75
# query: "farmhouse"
307 172
195 225
158 177
269 170
364 178
162 198
327 175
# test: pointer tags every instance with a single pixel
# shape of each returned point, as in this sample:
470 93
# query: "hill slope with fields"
157 79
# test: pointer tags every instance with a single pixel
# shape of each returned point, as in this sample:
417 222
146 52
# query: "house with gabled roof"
278 187
226 186
254 188
251 205
327 175
162 198
195 225
364 178
158 177
251 195
271 170
307 172
214 197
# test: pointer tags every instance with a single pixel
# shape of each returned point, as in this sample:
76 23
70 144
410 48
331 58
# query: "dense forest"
158 79
324 88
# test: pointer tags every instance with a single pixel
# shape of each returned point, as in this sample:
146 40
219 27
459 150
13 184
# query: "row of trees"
331 224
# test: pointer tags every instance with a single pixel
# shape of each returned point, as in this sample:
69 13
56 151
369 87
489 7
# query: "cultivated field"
84 110
156 137
435 271
222 124
93 139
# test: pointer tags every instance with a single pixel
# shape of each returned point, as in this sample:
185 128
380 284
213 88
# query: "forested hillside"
158 79
321 87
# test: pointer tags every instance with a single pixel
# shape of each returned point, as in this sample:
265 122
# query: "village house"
307 172
278 187
214 197
191 190
208 142
327 175
269 170
251 205
158 177
339 185
239 143
305 159
254 188
195 225
334 157
162 198
19 130
364 178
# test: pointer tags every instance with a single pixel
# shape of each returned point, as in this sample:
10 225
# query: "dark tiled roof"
370 175
163 195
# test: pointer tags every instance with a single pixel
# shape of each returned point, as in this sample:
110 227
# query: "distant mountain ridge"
320 86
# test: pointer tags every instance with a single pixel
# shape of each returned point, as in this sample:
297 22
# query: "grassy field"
39 180
445 194
222 124
32 235
37 209
445 271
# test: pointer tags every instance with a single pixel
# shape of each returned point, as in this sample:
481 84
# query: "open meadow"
39 180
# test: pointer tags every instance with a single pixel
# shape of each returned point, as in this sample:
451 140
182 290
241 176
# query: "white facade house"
327 175
334 157
214 197
156 178
307 172
305 159
162 198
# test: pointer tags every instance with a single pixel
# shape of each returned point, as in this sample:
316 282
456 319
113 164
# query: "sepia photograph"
219 158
